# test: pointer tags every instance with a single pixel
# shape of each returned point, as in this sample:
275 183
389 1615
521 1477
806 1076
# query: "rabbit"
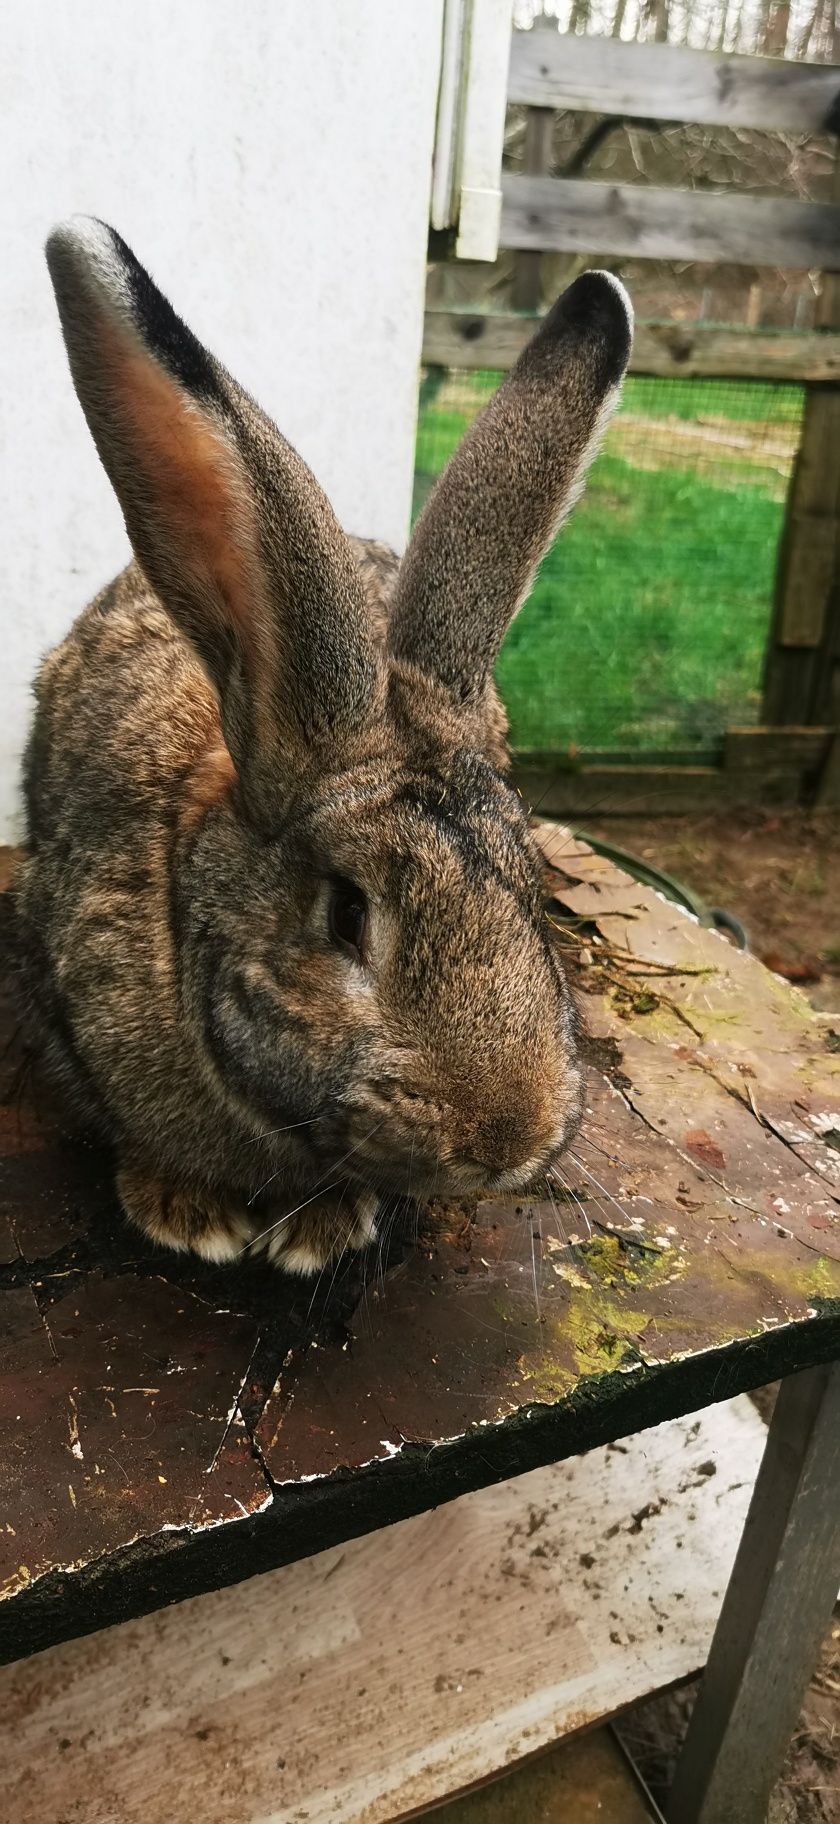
282 935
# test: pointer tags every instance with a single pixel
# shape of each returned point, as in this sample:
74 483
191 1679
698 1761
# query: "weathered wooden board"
381 1676
765 751
571 215
120 1415
584 790
469 339
670 82
693 1252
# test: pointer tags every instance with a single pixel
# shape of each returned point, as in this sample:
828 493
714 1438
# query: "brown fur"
211 779
246 714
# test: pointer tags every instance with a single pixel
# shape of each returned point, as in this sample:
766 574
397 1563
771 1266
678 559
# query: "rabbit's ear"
227 522
507 489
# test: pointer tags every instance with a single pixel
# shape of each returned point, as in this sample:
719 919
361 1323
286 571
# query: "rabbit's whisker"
320 1192
599 1186
579 1256
385 1224
333 1167
385 1220
562 1236
570 1192
531 1220
270 1133
604 1213
339 1260
326 1264
585 1138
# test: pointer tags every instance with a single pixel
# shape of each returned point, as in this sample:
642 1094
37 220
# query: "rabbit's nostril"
507 1140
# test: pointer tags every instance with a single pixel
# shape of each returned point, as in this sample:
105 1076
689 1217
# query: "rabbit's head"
364 955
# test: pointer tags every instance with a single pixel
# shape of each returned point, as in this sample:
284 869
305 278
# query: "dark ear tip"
595 307
90 263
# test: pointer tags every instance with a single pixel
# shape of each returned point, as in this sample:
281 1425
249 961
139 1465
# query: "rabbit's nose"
509 1139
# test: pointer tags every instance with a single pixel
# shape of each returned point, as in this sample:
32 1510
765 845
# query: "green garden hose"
714 917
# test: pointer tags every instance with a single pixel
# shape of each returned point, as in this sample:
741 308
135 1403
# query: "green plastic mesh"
647 624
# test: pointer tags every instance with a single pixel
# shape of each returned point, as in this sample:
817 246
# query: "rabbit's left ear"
228 523
507 489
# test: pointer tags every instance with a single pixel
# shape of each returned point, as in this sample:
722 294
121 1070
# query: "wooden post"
802 668
539 124
527 271
775 1612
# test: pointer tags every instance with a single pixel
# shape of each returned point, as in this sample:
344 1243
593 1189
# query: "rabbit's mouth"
421 1173
411 1140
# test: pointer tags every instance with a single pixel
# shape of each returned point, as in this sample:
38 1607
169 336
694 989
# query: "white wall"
270 164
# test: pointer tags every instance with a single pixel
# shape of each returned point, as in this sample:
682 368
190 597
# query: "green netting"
647 624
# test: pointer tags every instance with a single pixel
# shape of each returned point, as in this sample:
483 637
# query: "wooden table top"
167 1427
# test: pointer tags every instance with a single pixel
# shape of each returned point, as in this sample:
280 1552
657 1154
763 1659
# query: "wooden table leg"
775 1612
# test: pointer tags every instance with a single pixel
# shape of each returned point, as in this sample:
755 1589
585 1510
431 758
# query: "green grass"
762 401
647 623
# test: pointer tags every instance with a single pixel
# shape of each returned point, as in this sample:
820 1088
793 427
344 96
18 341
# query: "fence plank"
777 752
570 215
464 339
767 766
669 82
649 791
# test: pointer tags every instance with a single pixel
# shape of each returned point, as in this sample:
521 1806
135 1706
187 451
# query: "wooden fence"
796 752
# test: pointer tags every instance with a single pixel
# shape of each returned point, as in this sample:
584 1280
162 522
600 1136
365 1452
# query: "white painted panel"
482 130
271 165
469 139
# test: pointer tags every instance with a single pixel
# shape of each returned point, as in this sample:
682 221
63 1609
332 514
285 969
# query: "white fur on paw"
224 1244
297 1258
293 1256
364 1230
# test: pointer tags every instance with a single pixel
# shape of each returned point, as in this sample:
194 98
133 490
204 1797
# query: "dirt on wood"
779 874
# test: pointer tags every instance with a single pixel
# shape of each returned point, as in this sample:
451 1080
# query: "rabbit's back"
123 707
124 715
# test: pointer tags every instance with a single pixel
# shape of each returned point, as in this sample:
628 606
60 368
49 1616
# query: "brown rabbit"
281 917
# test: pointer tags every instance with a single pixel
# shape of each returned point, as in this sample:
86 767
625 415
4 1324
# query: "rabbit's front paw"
322 1231
195 1220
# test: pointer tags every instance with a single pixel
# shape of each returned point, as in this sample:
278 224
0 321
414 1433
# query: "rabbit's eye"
348 916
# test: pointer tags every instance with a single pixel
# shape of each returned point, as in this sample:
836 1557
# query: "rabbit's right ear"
228 523
507 488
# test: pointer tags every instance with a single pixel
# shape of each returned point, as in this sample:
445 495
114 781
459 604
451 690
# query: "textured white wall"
270 164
